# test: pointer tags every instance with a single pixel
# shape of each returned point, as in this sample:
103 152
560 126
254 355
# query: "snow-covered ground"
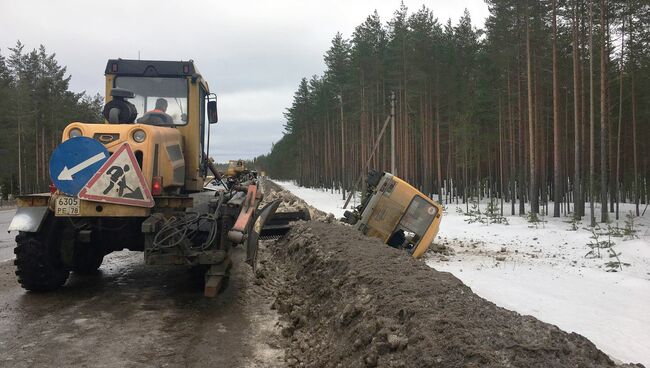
542 271
322 199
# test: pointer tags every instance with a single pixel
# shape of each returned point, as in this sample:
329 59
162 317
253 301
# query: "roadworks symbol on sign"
119 181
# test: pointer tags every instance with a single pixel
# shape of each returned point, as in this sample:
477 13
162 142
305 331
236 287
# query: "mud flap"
252 241
28 219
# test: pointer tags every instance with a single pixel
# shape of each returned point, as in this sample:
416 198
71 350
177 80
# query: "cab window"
416 220
148 90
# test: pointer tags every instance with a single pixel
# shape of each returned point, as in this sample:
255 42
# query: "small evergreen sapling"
602 239
615 231
535 220
629 231
493 214
574 223
474 214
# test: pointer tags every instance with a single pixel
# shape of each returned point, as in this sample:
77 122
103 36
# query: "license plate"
67 206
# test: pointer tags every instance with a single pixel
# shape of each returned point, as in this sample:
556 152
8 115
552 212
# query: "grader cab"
136 182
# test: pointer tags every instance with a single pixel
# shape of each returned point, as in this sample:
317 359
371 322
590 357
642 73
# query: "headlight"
74 132
139 136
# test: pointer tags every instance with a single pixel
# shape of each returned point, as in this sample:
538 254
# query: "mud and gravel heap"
291 203
347 300
350 301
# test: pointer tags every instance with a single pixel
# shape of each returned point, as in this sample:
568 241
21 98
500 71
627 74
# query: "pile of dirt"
291 203
347 300
350 301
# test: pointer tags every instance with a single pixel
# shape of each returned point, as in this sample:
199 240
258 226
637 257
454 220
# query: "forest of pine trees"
547 108
35 105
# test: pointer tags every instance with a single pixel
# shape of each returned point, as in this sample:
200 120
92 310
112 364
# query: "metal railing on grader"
137 182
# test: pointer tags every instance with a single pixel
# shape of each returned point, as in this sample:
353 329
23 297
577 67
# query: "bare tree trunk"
567 154
620 121
513 165
522 148
603 113
393 132
592 138
43 155
557 159
534 197
577 183
20 161
36 155
342 149
500 156
438 160
636 167
465 184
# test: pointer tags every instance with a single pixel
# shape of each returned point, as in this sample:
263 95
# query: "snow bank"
544 273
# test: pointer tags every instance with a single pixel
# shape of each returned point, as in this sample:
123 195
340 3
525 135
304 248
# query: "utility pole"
392 133
342 147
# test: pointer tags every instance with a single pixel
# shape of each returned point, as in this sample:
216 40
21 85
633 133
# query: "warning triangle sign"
119 181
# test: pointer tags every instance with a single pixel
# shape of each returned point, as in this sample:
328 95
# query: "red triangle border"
126 201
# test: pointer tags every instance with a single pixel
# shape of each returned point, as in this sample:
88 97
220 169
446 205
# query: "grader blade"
280 224
252 242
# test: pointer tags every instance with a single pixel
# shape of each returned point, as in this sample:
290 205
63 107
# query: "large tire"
38 262
87 259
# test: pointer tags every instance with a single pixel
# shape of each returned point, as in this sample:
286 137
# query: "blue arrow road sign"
74 162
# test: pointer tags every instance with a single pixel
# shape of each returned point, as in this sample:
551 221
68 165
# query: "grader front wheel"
38 264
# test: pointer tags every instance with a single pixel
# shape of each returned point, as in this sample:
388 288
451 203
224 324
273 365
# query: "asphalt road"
6 239
132 315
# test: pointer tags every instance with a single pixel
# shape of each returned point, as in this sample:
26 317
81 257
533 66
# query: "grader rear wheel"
38 262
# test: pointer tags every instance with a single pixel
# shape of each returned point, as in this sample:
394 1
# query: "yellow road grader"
136 182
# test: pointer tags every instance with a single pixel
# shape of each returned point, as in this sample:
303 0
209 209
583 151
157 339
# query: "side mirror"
212 112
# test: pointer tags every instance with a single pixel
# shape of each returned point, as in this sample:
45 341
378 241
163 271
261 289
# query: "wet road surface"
132 315
6 239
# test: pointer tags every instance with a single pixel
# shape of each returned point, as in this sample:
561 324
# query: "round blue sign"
74 162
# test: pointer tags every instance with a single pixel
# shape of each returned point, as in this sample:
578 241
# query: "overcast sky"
253 53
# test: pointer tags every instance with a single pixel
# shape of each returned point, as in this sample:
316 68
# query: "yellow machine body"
235 167
159 155
401 216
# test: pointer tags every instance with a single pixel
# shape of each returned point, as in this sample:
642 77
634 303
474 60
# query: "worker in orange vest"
157 116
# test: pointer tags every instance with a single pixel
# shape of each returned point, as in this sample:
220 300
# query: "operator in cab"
157 116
